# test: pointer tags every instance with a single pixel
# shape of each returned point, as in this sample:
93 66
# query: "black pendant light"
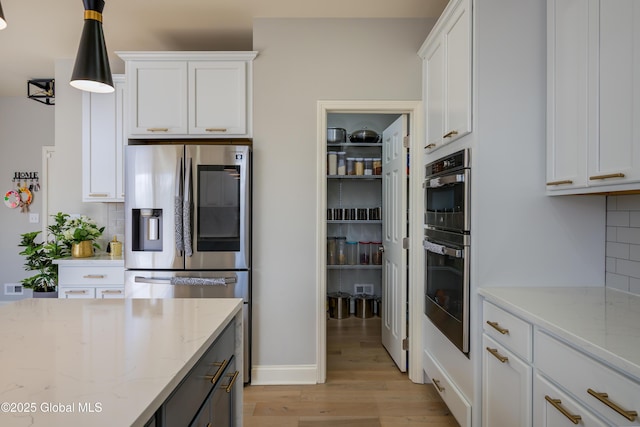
3 22
91 71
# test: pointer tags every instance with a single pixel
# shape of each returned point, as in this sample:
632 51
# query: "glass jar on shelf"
331 250
352 253
351 165
364 249
377 166
368 166
341 250
359 166
342 163
376 253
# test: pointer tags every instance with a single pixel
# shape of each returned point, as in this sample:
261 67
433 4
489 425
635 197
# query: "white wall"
623 243
301 61
25 127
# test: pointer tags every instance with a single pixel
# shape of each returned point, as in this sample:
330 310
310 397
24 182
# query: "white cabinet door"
567 89
506 387
218 97
447 76
158 97
614 151
554 408
102 140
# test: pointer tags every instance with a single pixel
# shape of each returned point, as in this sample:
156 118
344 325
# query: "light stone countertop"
604 323
120 358
98 260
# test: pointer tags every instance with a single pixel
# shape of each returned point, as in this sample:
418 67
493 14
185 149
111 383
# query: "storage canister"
376 253
364 306
331 250
352 253
365 254
341 250
339 305
368 166
377 166
359 165
351 165
342 163
332 163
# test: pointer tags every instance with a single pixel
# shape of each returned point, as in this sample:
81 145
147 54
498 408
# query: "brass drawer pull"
94 276
216 129
233 381
563 182
221 367
497 327
98 195
604 398
436 383
430 146
607 176
111 291
494 352
75 292
158 130
450 134
557 403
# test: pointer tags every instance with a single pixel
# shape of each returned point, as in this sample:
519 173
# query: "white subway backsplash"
623 243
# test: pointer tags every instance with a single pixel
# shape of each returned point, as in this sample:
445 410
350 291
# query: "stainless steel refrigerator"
188 224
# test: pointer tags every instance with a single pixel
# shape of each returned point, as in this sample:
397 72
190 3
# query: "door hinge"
406 141
405 344
405 243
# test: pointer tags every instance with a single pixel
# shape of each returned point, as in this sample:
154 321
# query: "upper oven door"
447 201
217 180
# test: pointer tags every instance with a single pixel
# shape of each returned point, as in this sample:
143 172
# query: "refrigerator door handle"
186 211
178 206
157 280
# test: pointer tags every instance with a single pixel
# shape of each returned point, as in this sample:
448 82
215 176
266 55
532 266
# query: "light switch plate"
34 218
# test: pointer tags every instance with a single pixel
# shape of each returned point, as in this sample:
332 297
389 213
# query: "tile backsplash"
115 223
623 243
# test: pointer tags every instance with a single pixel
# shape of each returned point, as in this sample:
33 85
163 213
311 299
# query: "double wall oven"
447 232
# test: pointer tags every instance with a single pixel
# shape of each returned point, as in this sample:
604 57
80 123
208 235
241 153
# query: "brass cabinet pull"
497 327
216 129
604 398
98 195
450 134
215 377
75 292
233 381
157 129
430 146
494 352
111 291
557 403
563 182
436 383
607 176
94 276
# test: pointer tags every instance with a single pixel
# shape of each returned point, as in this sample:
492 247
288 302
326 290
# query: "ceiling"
41 31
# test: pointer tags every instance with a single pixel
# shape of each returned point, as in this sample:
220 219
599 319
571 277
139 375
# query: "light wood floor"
363 389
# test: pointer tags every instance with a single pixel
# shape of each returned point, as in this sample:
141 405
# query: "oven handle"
444 180
442 250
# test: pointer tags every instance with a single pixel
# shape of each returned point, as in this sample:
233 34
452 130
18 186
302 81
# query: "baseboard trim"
284 374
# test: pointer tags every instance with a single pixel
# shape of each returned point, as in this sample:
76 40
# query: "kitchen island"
110 362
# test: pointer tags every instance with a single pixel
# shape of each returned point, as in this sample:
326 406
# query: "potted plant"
80 233
39 258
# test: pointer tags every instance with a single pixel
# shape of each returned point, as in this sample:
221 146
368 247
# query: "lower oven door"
196 284
447 284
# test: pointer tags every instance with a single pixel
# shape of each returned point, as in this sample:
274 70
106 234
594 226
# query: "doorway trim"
414 109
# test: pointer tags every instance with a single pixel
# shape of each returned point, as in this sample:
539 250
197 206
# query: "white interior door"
394 229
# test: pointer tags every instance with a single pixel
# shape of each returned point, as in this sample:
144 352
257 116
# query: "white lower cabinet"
506 382
553 408
83 279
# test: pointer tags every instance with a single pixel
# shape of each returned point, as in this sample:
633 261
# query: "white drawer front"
578 373
455 400
90 276
76 292
509 330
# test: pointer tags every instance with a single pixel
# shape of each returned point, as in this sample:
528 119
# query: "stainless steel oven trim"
460 177
456 240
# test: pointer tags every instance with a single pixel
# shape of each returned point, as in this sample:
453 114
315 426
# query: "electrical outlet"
34 218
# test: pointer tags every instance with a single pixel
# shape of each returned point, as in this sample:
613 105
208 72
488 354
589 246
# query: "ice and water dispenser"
146 230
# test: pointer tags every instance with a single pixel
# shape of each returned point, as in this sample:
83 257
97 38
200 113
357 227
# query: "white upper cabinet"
189 94
446 55
593 103
103 140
